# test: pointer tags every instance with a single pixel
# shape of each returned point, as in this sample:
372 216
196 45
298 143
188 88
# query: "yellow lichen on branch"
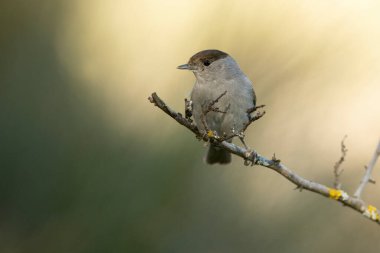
338 194
210 133
372 213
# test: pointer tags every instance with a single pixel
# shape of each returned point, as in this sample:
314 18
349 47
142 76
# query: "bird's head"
212 64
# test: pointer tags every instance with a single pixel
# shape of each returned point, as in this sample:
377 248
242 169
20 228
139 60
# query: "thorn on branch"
299 187
370 180
275 160
337 170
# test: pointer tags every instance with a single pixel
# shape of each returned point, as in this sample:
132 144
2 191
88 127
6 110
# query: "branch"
337 170
211 108
368 170
175 115
252 119
255 158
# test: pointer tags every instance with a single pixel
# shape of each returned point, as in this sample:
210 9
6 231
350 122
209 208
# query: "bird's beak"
184 66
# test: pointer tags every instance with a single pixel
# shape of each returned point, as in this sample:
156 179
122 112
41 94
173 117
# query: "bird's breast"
234 104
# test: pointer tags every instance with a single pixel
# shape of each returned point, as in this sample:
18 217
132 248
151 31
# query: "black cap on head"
207 56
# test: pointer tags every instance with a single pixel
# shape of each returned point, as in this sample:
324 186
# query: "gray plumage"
217 72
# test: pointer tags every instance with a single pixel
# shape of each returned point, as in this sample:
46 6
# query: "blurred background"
87 164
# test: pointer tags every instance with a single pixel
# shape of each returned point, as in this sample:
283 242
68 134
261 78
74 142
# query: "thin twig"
188 109
337 170
275 164
368 171
210 107
157 101
251 119
255 108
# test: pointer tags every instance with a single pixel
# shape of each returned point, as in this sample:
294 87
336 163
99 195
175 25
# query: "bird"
219 80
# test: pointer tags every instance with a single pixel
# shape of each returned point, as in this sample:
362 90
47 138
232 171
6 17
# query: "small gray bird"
216 72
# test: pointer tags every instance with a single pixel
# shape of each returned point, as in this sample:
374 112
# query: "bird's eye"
206 62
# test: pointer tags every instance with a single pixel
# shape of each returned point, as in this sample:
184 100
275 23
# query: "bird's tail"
217 155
